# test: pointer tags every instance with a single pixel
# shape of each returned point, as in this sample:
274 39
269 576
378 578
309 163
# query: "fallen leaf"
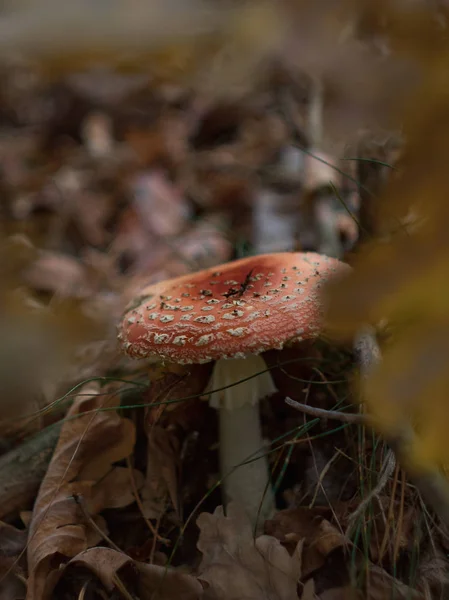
308 524
236 566
111 567
12 573
162 472
12 580
382 586
319 546
434 571
301 521
12 540
87 446
115 490
150 582
161 583
341 593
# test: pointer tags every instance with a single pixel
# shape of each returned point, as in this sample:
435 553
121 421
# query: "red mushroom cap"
230 311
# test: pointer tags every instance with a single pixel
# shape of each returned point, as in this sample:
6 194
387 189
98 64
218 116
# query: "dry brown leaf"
151 582
379 586
162 472
320 537
12 580
160 583
236 566
115 490
434 571
325 539
383 586
107 564
174 383
302 522
341 593
12 543
58 530
308 590
12 540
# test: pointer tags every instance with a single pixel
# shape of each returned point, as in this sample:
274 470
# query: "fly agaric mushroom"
230 314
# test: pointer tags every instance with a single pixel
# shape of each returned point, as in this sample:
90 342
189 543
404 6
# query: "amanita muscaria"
231 314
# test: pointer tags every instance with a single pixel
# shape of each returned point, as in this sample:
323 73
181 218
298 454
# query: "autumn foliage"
134 188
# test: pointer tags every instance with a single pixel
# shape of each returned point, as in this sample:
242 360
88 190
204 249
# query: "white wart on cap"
244 307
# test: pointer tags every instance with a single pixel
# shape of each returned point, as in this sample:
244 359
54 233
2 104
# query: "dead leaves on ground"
90 442
235 565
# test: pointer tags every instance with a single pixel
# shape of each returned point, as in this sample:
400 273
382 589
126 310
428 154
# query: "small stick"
82 504
321 413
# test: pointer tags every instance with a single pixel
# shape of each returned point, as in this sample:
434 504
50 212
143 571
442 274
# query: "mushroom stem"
244 467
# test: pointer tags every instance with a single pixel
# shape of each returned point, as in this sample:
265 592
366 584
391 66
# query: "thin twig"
121 587
82 504
321 413
390 516
385 474
398 533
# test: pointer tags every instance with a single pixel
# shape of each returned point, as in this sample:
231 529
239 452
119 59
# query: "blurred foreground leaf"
404 277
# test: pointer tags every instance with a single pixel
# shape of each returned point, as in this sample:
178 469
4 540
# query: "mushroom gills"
241 435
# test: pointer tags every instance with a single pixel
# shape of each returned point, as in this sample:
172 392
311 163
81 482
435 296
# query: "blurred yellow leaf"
405 278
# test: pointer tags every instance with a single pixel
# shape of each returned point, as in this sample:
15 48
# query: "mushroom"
231 314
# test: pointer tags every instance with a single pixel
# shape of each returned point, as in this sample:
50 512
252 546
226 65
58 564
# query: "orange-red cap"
239 308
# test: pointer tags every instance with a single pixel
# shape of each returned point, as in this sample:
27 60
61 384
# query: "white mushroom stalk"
243 463
230 315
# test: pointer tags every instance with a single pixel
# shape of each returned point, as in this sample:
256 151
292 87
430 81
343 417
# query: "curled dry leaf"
237 566
87 447
296 523
320 537
151 582
111 567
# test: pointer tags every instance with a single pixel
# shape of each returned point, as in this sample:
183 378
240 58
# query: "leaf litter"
117 176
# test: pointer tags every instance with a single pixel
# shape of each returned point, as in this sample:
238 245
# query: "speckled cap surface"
230 311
